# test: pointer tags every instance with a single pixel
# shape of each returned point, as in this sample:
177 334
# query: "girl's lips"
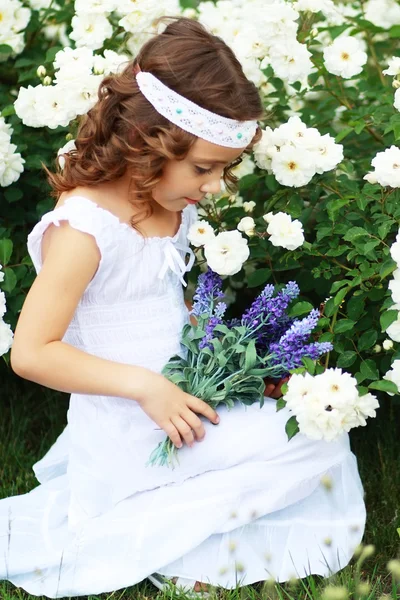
191 201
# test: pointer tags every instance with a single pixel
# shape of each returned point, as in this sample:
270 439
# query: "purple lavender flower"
267 314
209 289
291 347
213 321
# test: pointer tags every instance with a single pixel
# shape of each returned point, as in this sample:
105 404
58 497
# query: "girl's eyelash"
201 171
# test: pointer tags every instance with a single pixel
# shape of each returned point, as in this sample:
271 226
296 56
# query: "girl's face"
187 181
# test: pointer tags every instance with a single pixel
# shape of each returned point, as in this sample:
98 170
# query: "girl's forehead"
206 152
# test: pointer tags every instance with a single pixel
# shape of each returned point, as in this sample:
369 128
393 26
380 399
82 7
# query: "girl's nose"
211 187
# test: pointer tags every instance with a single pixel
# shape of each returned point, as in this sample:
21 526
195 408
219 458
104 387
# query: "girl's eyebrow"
211 162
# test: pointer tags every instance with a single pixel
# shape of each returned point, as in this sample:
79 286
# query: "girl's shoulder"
83 214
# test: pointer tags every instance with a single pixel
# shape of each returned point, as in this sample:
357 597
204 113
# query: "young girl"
102 318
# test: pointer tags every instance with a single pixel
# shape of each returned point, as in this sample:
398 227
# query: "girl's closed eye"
201 171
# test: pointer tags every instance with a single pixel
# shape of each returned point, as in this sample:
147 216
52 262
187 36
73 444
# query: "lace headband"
193 118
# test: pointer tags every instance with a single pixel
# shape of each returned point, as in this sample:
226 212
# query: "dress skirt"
244 505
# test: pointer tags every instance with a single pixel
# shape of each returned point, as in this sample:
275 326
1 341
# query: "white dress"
245 505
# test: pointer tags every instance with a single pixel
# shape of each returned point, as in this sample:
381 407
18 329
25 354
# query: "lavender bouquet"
227 361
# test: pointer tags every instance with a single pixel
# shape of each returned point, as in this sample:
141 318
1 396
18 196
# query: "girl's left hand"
273 389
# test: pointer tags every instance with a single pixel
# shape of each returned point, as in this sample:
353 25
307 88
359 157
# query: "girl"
102 318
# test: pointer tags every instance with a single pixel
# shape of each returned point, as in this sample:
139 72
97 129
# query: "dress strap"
174 261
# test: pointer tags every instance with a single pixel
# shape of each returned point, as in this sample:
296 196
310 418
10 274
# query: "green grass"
32 417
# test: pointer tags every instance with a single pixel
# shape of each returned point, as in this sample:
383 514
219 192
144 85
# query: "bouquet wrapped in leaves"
226 361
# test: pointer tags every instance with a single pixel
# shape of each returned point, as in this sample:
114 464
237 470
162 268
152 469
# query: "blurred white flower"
227 252
370 177
345 57
200 233
6 337
75 59
394 66
387 167
247 225
382 13
14 19
70 145
393 375
325 6
396 102
90 30
246 167
393 331
387 344
291 60
3 306
1 274
394 287
284 232
13 166
95 6
39 4
328 154
249 206
377 349
293 167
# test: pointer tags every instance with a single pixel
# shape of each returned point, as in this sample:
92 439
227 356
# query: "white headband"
193 118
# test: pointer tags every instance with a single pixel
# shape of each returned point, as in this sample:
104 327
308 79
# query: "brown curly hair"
124 130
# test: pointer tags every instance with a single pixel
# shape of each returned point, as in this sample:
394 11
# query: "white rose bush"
317 198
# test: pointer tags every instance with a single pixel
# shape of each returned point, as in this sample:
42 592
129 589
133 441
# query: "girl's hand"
175 411
273 389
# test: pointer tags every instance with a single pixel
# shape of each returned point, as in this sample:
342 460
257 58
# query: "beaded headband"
193 118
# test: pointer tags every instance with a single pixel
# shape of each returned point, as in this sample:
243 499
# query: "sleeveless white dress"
245 505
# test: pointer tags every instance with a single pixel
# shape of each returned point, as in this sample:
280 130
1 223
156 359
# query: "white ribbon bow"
173 260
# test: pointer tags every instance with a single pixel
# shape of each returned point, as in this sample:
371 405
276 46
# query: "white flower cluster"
74 91
225 253
261 33
387 168
90 24
138 19
6 334
11 162
328 404
393 331
14 17
294 153
394 70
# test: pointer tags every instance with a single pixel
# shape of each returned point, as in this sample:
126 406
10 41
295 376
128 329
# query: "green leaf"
369 370
13 194
10 280
8 111
336 285
5 49
367 340
387 318
280 404
346 359
309 364
6 248
342 134
384 386
250 356
354 233
355 307
343 325
258 277
387 268
338 299
301 308
292 427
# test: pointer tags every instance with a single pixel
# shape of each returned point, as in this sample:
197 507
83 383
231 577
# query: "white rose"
394 66
64 150
371 178
396 102
387 167
227 252
284 232
200 233
90 30
13 167
247 225
393 330
345 57
393 375
6 337
293 167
